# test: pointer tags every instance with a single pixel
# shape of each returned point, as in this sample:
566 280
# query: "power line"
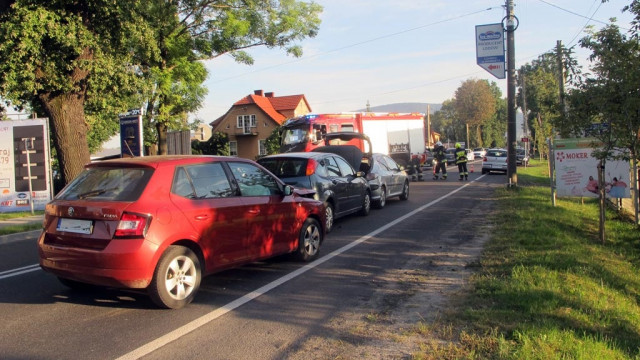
354 45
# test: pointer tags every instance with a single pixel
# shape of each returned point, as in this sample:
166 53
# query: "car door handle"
201 217
254 212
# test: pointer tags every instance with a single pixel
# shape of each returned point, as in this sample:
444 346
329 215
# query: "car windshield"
107 184
285 168
296 135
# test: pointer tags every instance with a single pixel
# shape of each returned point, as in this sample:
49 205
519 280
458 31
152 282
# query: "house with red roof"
251 120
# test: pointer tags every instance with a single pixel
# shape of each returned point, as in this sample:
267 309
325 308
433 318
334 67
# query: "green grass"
19 228
19 214
12 229
546 287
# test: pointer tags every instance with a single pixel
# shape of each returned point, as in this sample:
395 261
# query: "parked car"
385 176
479 152
450 155
470 155
343 190
521 157
160 223
494 160
394 181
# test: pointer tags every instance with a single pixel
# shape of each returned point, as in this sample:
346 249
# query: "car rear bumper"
125 263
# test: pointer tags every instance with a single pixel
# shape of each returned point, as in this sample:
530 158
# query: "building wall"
301 109
248 145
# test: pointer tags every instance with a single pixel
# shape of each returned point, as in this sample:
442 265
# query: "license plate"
75 226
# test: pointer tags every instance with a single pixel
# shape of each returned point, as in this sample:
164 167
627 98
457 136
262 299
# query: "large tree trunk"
69 129
161 129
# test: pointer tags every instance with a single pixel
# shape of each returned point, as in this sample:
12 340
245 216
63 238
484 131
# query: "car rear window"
107 184
496 153
285 168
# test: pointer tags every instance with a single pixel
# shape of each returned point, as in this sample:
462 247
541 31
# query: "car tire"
329 215
405 191
383 198
176 278
309 240
366 204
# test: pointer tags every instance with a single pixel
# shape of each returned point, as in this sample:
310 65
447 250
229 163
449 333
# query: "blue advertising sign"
131 143
490 49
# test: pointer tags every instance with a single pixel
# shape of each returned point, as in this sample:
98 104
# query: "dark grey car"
343 190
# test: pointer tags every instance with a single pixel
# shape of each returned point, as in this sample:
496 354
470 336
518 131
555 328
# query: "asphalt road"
264 310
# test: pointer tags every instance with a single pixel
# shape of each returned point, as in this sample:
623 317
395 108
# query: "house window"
347 127
233 148
246 122
262 147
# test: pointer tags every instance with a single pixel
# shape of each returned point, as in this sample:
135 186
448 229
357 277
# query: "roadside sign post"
490 53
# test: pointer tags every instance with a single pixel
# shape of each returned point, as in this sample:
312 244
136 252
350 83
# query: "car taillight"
132 226
311 167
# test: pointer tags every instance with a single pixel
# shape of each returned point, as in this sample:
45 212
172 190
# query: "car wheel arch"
191 245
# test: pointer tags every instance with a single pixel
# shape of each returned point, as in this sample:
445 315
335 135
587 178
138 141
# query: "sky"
399 51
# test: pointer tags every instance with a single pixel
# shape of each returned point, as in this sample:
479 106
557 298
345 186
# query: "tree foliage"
274 140
80 63
58 56
609 97
476 103
218 144
189 31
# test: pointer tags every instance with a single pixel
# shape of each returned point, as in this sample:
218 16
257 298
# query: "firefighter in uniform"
461 161
441 161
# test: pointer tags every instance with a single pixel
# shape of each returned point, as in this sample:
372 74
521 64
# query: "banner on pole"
490 49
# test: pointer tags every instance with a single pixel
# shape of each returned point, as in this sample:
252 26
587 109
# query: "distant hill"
404 108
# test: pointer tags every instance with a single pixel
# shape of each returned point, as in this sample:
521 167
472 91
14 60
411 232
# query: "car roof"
306 155
162 160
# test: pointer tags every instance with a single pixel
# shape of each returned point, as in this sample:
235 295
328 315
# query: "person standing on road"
441 161
461 161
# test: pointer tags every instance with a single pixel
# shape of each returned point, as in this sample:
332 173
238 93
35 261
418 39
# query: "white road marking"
205 319
18 271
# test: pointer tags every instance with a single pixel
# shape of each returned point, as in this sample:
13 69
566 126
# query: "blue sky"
399 51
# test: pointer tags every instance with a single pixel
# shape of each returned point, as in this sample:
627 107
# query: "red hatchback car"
162 222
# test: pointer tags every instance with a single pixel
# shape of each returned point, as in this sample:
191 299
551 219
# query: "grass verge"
12 229
546 287
19 214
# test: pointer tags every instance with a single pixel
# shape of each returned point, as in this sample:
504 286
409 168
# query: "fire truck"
399 135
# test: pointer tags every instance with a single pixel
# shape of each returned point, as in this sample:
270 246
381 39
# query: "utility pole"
511 96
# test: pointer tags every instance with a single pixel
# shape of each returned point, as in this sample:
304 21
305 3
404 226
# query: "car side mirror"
288 190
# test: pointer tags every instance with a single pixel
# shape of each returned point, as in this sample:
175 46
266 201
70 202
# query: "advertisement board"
24 165
131 135
490 49
577 171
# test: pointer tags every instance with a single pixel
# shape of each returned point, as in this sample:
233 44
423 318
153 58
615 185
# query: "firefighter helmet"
439 143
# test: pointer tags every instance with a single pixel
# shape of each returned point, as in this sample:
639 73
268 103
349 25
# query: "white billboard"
577 171
24 165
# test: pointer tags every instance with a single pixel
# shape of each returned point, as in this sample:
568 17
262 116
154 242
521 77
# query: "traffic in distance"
161 223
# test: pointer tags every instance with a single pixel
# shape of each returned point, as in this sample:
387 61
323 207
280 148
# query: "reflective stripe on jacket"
461 156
